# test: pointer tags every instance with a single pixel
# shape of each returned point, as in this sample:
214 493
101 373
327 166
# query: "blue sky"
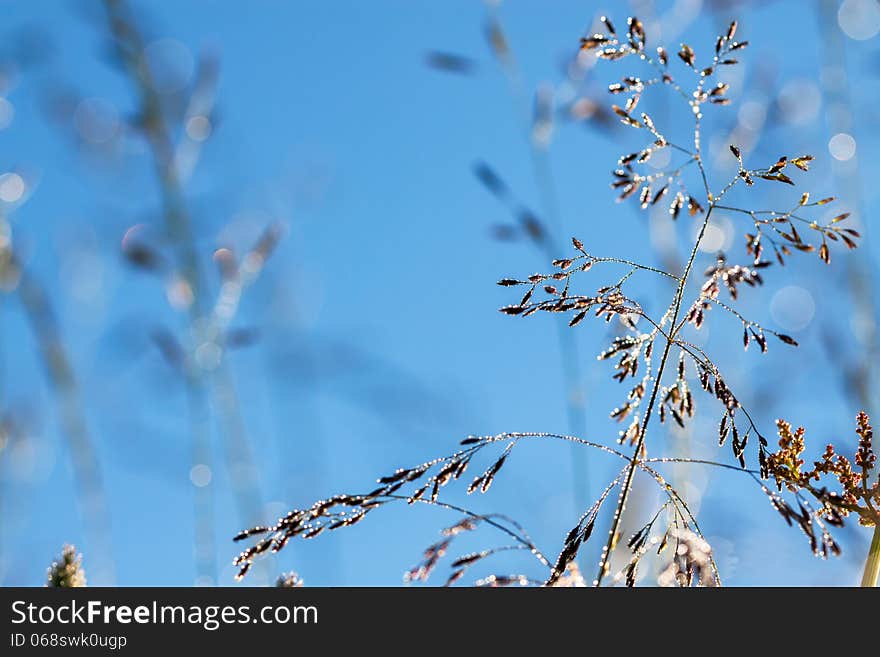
380 341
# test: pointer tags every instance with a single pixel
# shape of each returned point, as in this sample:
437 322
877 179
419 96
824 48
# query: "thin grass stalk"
670 337
130 45
572 379
859 376
199 419
178 227
872 564
239 456
74 427
668 257
179 230
640 443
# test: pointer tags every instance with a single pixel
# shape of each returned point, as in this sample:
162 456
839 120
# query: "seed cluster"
855 493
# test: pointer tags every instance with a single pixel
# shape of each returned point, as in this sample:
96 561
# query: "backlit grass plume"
67 571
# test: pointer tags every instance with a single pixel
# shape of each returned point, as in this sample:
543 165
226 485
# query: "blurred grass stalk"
572 379
836 90
859 377
204 388
538 130
62 379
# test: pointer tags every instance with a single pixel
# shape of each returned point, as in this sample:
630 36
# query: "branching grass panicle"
665 373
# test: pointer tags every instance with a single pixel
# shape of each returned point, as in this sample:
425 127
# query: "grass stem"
872 564
628 481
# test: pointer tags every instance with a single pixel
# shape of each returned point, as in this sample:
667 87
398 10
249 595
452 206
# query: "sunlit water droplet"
859 19
792 308
200 475
842 146
12 187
